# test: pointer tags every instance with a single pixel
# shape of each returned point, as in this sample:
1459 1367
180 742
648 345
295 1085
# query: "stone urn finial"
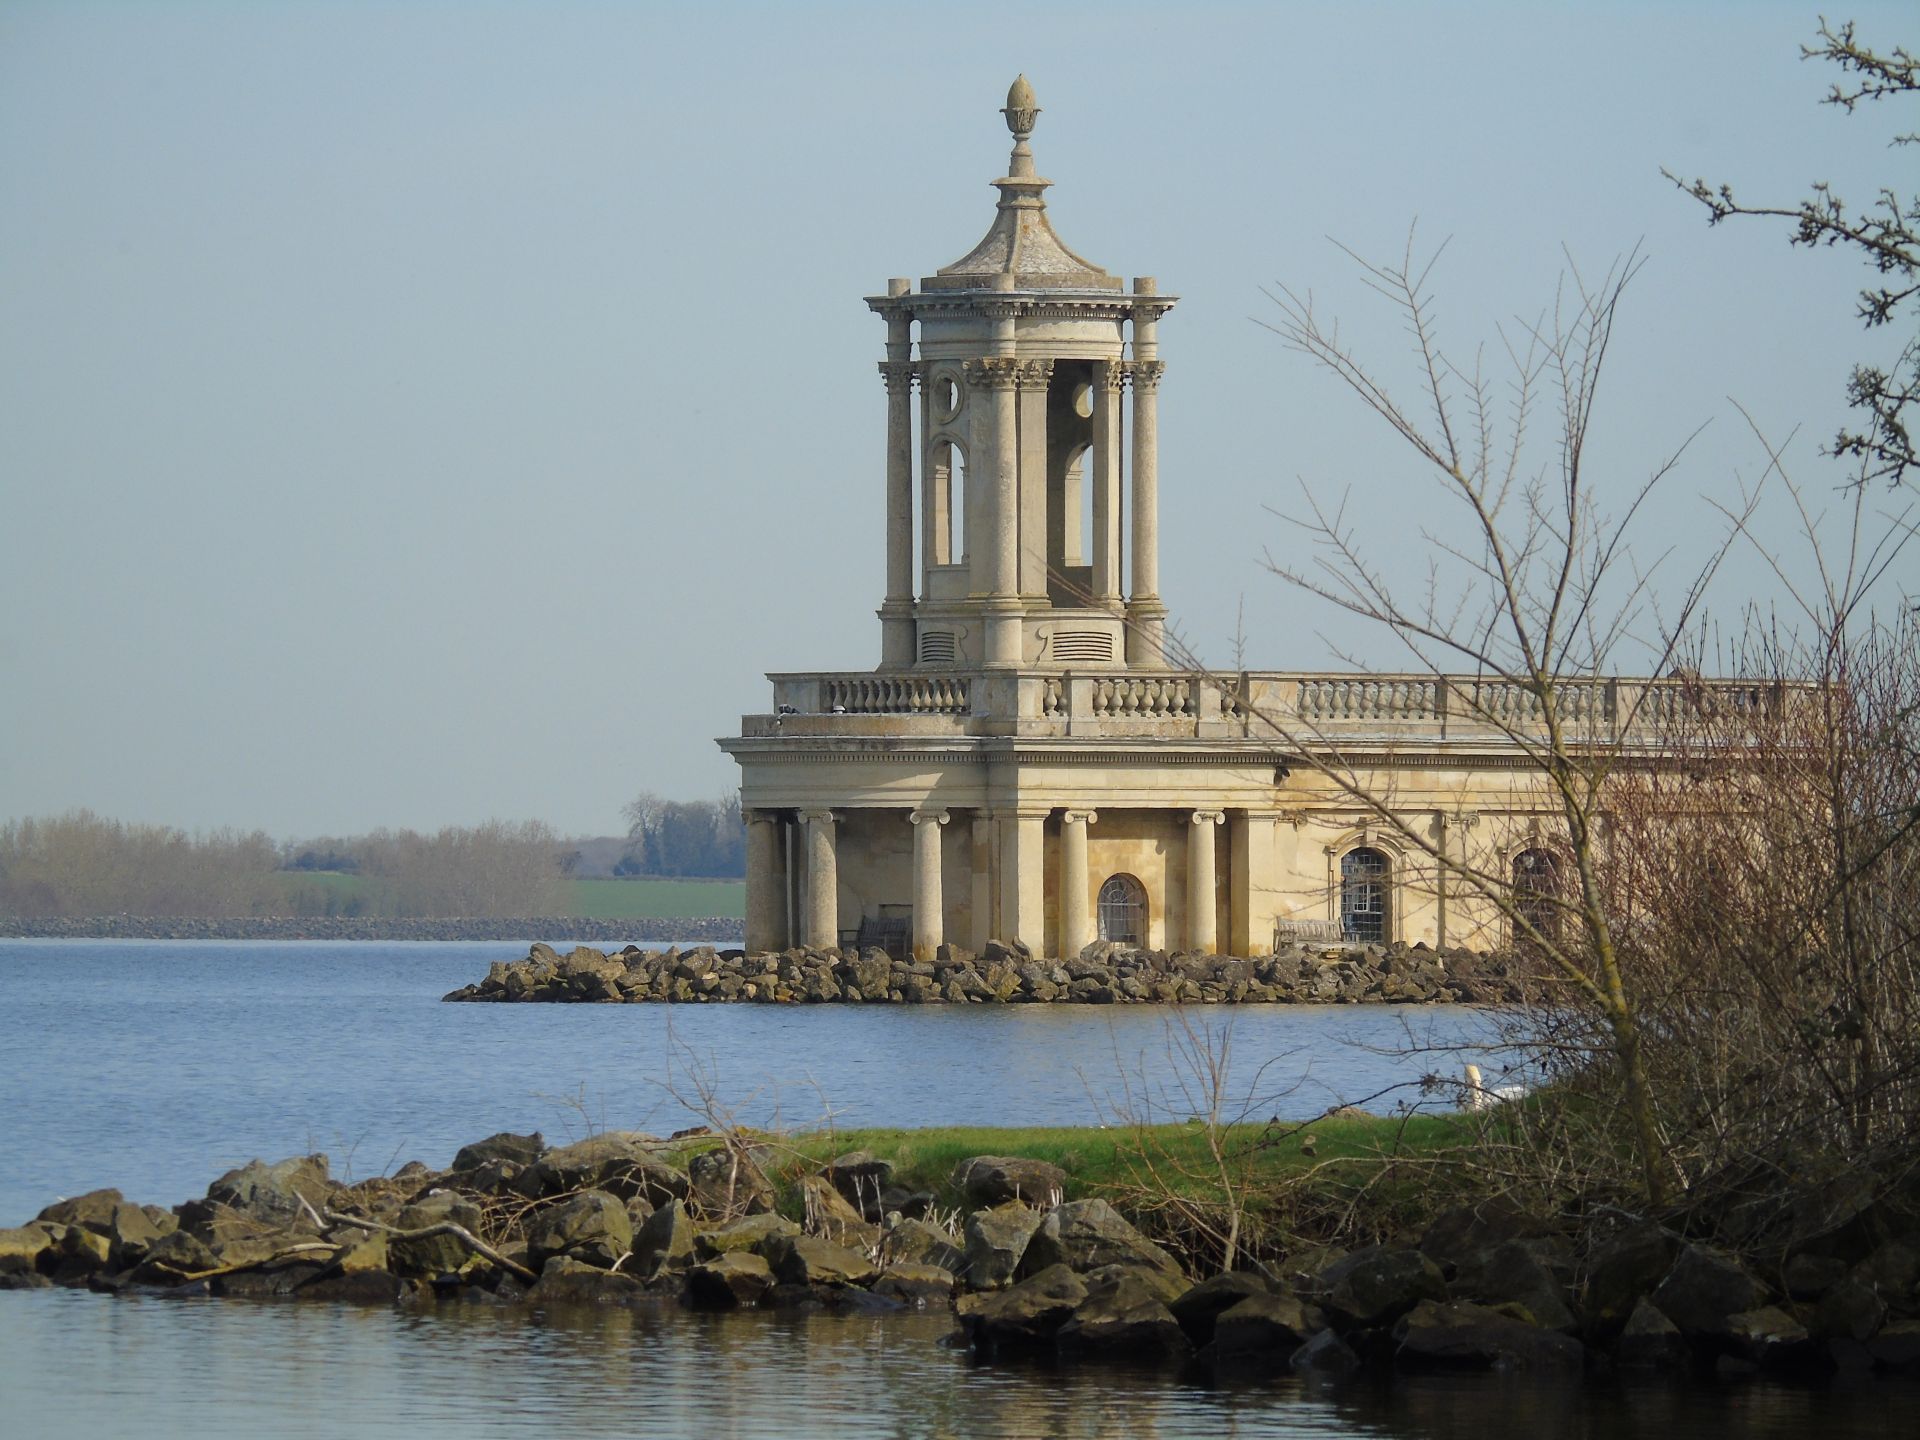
1020 108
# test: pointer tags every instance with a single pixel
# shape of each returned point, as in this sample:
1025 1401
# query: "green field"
640 899
657 899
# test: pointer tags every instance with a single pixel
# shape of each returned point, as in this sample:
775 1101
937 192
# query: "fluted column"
1076 929
928 904
1203 933
766 883
823 882
1107 376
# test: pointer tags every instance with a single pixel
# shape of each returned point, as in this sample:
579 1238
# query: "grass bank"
1346 1178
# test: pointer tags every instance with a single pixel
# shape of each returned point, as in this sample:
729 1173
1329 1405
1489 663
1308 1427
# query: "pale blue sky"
414 413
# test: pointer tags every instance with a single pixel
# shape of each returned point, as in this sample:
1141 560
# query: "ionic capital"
1209 817
817 817
923 817
1079 817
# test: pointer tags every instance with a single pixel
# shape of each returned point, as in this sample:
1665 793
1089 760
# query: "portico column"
1075 930
766 883
897 370
823 882
1023 877
1106 482
928 906
1146 616
1202 928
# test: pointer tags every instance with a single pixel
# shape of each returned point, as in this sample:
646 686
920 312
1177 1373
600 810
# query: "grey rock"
997 1242
1123 1315
1650 1341
664 1243
566 1281
1087 1234
1263 1330
592 1227
1027 1316
435 1254
1377 1285
730 1280
812 1260
989 1180
916 1285
1458 1334
1704 1288
506 1146
1325 1355
1201 1305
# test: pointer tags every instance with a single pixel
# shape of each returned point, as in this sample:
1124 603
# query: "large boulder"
1263 1330
1441 1335
729 1280
1124 1315
862 1178
172 1258
1201 1305
1770 1337
1704 1288
990 1180
505 1147
434 1254
91 1210
751 1233
664 1243
730 1181
1850 1310
566 1281
917 1242
813 1260
267 1194
997 1241
22 1249
1466 1230
1650 1341
1325 1356
622 1163
829 1214
916 1285
1377 1285
1512 1273
1027 1316
1087 1234
1622 1269
592 1227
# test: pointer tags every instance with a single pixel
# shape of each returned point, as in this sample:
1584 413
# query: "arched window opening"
1364 916
1536 890
1123 910
947 504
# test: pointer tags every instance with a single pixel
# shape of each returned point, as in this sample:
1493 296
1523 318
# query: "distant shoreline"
360 927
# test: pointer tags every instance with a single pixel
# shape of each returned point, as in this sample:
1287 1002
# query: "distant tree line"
706 838
80 864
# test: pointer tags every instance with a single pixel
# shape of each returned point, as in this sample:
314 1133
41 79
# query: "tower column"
1075 905
897 370
1106 482
1146 616
766 883
822 930
1032 380
997 375
1203 931
928 905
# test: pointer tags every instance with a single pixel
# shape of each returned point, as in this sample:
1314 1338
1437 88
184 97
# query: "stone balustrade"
1259 705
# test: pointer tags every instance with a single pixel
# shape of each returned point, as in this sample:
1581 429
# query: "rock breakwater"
1103 974
730 1220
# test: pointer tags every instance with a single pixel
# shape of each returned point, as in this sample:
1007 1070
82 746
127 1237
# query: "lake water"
155 1066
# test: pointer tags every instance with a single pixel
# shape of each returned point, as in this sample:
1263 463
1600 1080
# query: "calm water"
154 1066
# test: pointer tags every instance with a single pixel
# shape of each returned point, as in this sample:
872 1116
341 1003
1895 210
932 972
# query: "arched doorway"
1364 904
1123 910
1536 890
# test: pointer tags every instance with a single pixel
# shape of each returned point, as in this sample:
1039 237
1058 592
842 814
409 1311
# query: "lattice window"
1364 895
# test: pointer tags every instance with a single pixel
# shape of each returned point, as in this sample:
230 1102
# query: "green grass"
657 899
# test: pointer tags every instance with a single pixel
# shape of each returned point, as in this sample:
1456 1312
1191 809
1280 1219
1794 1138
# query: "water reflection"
79 1364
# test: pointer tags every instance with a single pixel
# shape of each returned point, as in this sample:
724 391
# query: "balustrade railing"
898 695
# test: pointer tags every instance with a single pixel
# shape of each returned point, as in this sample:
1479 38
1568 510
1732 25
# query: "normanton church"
1026 763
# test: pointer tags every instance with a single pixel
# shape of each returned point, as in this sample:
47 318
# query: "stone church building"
1025 763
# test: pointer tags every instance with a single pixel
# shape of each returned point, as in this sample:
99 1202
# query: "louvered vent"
936 647
1083 647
